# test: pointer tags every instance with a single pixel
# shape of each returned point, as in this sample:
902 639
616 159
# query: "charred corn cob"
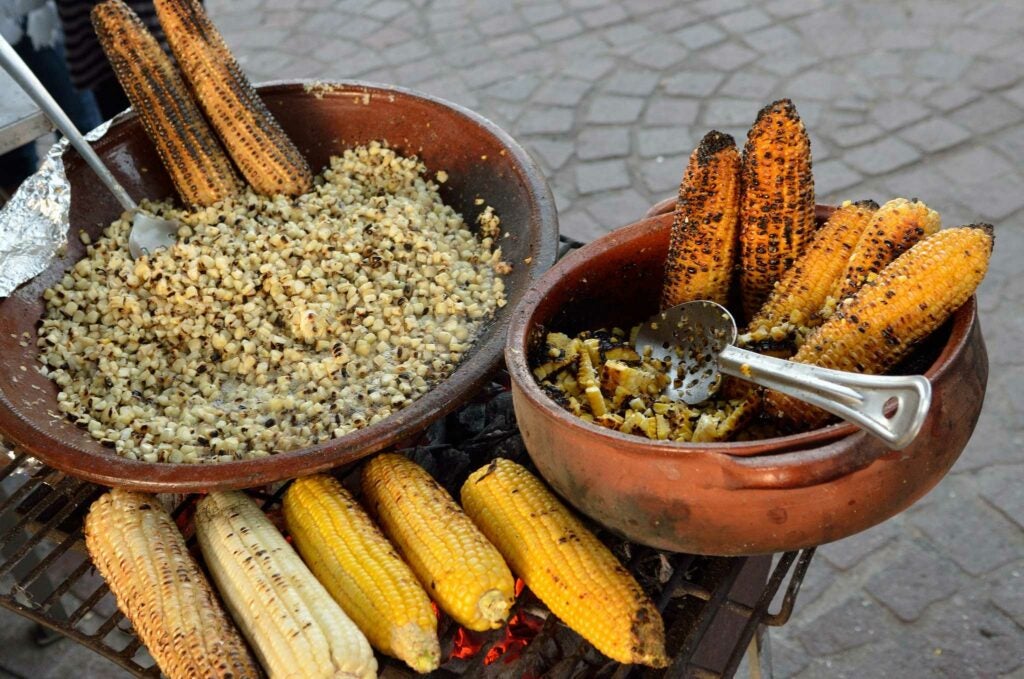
188 148
292 623
564 564
459 568
907 301
361 570
895 228
803 289
268 159
139 551
704 228
776 203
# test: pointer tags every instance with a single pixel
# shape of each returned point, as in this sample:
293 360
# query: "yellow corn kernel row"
804 288
564 564
702 250
268 159
137 548
907 301
291 621
458 567
187 146
351 557
776 203
896 227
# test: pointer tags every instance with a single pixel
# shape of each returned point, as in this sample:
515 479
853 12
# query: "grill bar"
681 665
74 501
67 543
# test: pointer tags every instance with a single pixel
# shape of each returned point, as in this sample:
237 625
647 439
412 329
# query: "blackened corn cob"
704 227
777 201
803 289
879 325
268 159
188 147
896 227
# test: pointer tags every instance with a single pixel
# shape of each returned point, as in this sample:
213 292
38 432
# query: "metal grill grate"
46 575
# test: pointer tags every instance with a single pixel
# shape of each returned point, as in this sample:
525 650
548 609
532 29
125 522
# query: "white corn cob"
291 621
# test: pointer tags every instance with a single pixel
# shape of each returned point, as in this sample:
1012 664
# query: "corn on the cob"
803 289
895 228
268 159
459 568
907 301
776 203
293 624
361 570
705 224
564 564
188 148
139 551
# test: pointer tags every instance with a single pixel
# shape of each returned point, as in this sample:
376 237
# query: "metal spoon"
696 338
149 233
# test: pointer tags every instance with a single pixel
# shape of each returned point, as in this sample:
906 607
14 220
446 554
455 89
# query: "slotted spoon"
697 338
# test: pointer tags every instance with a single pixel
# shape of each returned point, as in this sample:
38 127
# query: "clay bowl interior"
481 161
726 498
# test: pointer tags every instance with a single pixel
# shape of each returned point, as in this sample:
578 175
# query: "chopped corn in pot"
274 323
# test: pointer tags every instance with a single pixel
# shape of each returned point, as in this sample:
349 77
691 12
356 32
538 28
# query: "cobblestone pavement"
901 98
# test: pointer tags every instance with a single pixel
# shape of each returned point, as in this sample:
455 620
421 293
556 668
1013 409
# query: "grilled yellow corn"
291 621
776 203
804 288
268 159
139 551
361 570
564 564
459 568
704 228
895 228
188 148
907 301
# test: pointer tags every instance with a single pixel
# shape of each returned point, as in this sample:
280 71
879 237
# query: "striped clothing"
86 60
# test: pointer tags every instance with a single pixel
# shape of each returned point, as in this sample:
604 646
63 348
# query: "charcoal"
500 414
427 458
473 417
437 432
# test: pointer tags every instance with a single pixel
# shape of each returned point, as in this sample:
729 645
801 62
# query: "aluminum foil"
34 223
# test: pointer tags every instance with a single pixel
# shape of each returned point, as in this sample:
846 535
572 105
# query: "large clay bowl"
481 161
727 498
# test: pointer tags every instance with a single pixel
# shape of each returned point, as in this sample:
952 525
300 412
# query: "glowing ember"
465 644
519 632
519 586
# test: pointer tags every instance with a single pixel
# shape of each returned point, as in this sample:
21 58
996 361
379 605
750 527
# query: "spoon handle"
861 399
22 75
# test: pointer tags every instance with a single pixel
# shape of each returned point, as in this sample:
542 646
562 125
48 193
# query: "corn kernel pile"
599 377
274 323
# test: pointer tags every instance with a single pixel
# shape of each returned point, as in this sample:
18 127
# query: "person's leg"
110 98
49 66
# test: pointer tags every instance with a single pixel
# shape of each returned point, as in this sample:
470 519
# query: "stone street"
902 98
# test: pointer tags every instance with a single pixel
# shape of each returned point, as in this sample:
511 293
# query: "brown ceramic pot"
726 498
481 161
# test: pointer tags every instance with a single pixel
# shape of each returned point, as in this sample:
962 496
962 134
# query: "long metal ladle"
697 338
149 232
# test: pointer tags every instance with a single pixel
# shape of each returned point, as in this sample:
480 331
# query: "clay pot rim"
517 361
